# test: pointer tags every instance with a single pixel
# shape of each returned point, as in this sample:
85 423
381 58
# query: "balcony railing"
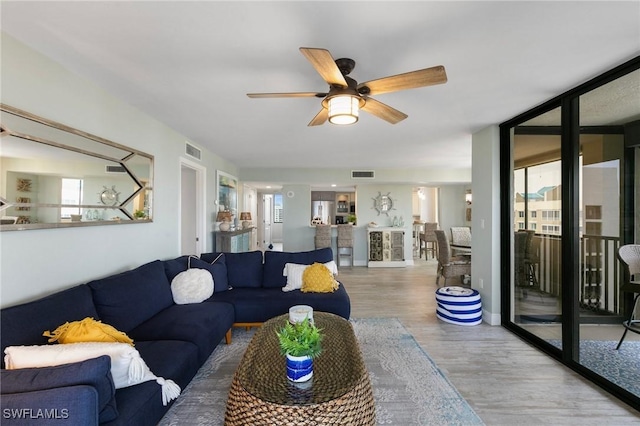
600 272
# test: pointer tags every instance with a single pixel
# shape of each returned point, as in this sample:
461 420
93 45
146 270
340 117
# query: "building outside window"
277 208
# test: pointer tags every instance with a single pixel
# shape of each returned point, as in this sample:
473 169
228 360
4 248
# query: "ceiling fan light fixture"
343 109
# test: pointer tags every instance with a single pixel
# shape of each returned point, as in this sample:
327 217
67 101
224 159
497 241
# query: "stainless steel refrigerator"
325 210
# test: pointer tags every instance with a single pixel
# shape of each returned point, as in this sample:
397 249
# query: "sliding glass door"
536 285
570 172
602 200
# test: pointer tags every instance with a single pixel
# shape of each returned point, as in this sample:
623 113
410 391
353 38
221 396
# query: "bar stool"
345 241
323 236
428 241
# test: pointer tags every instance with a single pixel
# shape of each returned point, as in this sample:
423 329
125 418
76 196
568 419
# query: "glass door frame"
570 204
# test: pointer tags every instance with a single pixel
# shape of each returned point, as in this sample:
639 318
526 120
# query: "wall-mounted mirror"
55 176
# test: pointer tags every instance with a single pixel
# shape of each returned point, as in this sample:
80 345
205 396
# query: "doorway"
192 211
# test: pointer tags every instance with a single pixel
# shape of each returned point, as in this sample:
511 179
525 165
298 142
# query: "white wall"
38 262
452 207
486 221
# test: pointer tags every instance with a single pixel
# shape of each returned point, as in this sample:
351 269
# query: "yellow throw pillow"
318 278
87 330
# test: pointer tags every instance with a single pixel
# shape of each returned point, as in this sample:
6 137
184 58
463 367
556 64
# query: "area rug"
621 367
408 387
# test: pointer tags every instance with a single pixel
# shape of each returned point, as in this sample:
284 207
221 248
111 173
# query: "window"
277 208
551 229
551 214
520 213
71 193
534 214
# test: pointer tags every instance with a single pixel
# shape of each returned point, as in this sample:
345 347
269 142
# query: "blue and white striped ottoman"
459 305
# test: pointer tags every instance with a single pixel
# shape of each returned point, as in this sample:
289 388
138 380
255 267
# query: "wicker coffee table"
338 394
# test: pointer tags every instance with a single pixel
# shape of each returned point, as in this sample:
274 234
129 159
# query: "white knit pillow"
127 367
294 271
192 286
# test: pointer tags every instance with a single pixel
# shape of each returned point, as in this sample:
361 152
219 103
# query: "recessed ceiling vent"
115 169
363 174
192 151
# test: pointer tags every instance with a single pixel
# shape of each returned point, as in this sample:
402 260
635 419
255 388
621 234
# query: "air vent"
115 169
363 174
192 151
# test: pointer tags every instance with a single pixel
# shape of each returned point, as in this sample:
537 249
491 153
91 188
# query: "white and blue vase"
299 368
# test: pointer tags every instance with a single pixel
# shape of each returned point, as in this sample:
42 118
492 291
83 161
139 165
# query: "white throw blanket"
127 366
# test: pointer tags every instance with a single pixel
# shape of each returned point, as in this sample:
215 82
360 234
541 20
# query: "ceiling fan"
345 97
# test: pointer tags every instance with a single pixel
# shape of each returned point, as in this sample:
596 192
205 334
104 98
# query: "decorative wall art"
383 203
23 185
227 193
23 200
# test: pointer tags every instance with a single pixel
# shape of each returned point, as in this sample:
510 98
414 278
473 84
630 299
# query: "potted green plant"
139 214
300 343
351 219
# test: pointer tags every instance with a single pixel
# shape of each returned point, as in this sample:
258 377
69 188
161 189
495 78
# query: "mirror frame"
144 189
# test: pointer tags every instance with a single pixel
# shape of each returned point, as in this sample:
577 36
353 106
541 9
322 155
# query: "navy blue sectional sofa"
174 340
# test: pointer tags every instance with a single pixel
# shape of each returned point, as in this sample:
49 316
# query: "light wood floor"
506 380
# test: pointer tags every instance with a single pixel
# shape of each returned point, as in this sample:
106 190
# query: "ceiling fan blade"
287 95
383 111
326 66
409 80
320 118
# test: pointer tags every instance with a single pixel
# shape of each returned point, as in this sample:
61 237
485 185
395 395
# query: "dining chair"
450 266
460 236
629 255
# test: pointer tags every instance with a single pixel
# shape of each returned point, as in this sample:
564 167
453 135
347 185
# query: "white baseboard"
490 318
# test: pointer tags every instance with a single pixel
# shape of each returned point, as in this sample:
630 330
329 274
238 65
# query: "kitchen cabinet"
342 203
323 196
385 247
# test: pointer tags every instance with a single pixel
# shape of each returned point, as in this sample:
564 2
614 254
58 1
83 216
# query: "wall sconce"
467 197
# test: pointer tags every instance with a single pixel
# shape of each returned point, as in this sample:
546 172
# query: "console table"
232 241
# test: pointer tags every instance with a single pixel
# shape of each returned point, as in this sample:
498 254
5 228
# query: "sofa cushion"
274 262
218 269
319 279
259 305
86 330
74 405
128 299
142 404
95 372
192 286
23 324
294 273
203 324
243 269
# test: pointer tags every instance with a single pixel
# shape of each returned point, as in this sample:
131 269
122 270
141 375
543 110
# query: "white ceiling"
190 65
